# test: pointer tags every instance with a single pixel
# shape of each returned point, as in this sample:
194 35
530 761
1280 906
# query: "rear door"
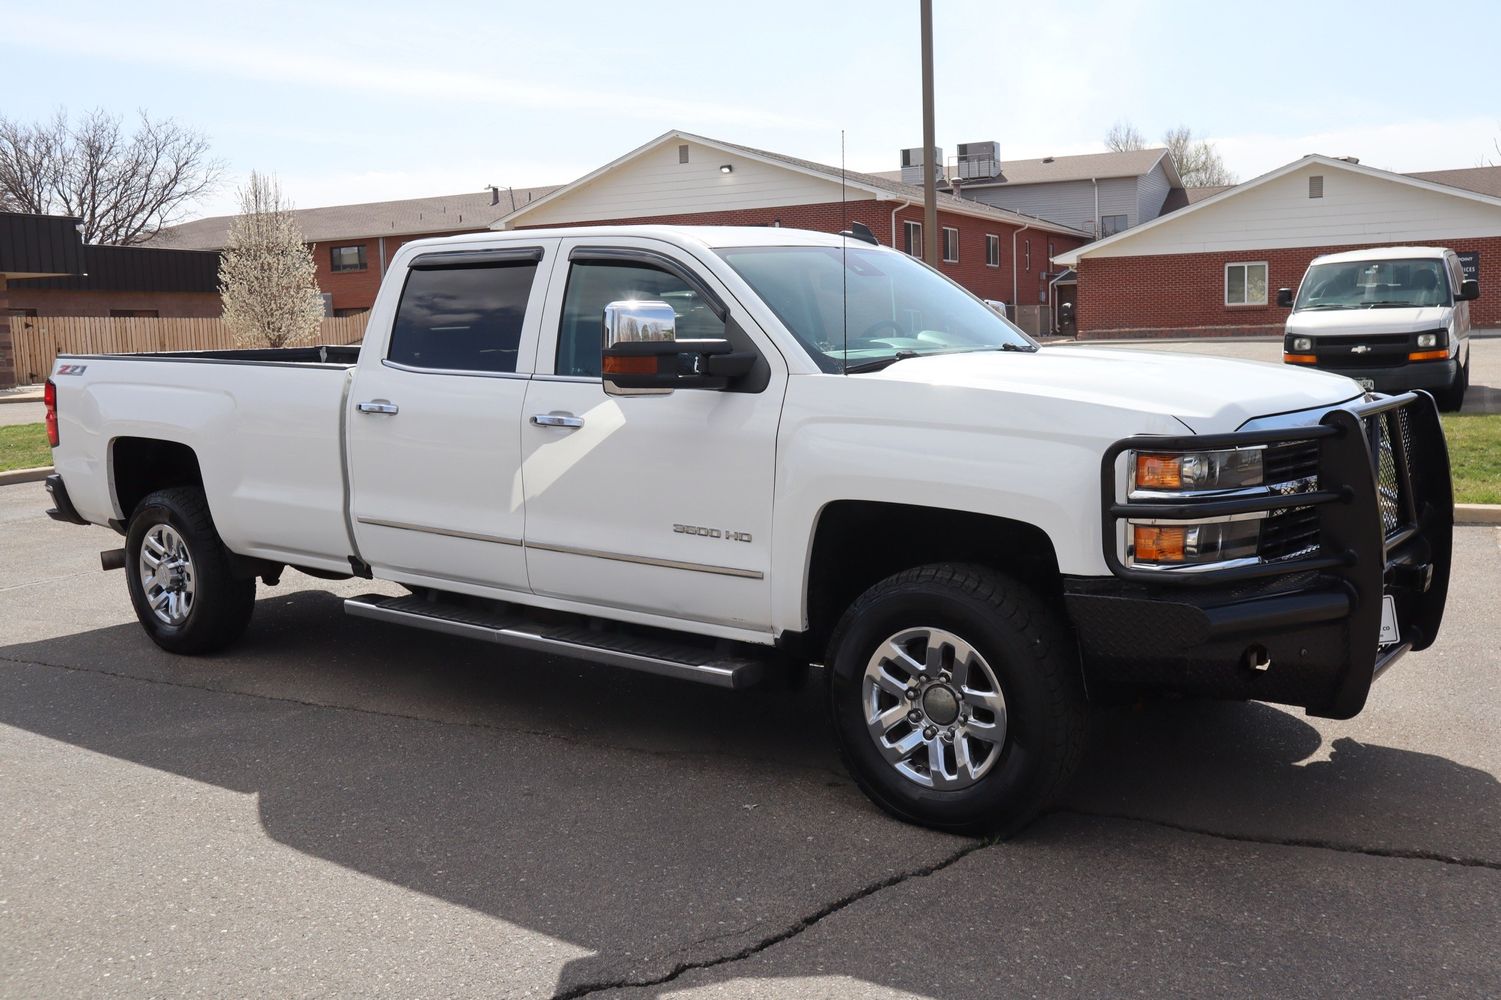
649 503
434 449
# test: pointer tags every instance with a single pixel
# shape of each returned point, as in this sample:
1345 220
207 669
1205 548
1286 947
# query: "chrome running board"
665 657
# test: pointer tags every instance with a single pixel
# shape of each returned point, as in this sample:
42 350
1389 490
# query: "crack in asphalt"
791 931
482 726
1398 853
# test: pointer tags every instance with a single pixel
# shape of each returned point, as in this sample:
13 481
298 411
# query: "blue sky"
374 100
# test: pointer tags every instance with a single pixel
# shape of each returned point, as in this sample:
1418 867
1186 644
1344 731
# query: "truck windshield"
1374 284
894 308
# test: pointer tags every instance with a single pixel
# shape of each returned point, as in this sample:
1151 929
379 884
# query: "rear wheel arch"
140 466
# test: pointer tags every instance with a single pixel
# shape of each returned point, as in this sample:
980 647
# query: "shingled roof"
453 213
1081 167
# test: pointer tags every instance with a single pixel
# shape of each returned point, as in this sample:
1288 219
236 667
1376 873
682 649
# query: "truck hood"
1209 395
1366 322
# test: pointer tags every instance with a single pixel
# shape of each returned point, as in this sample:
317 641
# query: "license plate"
1389 632
1366 384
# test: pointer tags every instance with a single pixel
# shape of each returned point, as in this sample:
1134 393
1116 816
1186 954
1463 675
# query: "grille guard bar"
1411 563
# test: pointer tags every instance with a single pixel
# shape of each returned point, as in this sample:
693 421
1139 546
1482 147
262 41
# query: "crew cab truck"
714 453
1392 318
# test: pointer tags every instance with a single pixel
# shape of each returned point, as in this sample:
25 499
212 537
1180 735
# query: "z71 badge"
71 369
693 529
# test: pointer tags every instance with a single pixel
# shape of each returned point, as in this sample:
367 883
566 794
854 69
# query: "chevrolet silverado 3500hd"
709 452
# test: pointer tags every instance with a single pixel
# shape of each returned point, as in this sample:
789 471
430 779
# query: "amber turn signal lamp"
1439 355
1154 544
645 365
1299 359
1163 472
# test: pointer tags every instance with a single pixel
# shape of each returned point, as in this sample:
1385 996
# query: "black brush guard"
1386 522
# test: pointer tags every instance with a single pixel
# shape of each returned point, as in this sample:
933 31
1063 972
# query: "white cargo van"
1393 319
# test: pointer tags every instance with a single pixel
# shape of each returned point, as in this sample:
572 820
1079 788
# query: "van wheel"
185 593
1450 400
957 699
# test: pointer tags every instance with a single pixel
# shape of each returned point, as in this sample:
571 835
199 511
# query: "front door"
434 450
648 503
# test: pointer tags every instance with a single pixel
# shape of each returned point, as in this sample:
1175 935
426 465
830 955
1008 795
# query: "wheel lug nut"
948 736
929 733
914 716
911 693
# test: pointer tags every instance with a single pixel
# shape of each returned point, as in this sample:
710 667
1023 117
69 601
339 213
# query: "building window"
1245 284
1316 186
1027 249
133 314
950 245
683 153
912 238
350 258
992 250
1112 224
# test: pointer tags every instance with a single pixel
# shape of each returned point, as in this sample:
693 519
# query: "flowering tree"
267 277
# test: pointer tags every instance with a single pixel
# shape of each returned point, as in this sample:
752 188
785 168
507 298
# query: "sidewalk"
21 394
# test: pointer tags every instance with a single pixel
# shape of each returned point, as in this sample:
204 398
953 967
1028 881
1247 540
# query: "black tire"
222 601
1452 399
1035 664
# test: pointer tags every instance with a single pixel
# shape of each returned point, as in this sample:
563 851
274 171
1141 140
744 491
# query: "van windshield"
1374 284
895 308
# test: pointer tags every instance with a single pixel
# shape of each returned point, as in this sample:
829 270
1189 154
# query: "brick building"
685 179
352 244
1213 267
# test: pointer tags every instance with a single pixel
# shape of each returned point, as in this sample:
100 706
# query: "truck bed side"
263 426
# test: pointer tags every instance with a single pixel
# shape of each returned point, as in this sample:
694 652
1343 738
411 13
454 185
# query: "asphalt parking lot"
340 806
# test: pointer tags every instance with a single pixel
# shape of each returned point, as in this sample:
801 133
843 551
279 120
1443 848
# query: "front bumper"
1429 375
1301 631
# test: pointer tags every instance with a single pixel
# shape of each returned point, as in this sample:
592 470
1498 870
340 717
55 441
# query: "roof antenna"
844 272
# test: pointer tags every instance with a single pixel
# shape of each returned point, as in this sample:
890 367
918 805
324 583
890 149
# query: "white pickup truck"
713 453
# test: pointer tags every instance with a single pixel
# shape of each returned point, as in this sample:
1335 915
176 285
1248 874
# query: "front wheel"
957 699
185 592
1452 399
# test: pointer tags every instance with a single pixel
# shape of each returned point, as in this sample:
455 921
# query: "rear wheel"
182 584
956 699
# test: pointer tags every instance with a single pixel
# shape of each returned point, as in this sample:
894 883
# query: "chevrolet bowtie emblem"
1360 349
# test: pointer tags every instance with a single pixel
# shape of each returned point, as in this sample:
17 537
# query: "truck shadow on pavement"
648 824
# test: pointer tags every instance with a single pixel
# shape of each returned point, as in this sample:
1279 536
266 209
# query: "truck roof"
707 236
1381 253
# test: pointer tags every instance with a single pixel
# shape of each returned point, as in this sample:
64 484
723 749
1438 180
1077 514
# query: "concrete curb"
22 398
1477 513
25 475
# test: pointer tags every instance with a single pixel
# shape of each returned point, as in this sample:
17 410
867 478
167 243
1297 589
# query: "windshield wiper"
1383 303
1023 348
876 364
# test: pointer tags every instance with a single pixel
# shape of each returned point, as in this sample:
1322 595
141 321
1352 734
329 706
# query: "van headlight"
1428 339
1302 345
1195 471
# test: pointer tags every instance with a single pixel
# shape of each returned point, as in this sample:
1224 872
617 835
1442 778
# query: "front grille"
1288 533
1287 463
1391 445
1384 350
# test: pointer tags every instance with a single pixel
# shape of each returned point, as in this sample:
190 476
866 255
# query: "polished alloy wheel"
166 570
934 708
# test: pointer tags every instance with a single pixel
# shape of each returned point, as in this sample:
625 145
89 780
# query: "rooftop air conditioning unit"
979 161
912 165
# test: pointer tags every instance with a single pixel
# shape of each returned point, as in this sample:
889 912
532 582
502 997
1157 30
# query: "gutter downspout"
1096 184
905 204
1016 292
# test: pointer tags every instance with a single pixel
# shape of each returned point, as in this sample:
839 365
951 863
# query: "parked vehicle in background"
716 453
1393 319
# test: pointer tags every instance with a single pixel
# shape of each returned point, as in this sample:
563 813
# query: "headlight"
1302 345
1427 340
1195 471
1194 544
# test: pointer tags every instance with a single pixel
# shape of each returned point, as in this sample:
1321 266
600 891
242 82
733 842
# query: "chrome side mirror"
636 321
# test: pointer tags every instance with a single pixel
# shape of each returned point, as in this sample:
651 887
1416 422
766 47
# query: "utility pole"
929 154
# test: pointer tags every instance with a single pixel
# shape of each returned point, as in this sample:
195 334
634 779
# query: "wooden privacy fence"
40 339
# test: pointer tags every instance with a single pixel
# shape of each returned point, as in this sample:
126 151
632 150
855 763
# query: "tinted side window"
593 285
462 318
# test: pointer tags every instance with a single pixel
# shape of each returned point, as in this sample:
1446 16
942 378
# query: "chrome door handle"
377 407
557 420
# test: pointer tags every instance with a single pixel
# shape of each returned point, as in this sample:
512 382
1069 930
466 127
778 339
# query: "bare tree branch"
267 276
1198 162
123 187
1123 137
